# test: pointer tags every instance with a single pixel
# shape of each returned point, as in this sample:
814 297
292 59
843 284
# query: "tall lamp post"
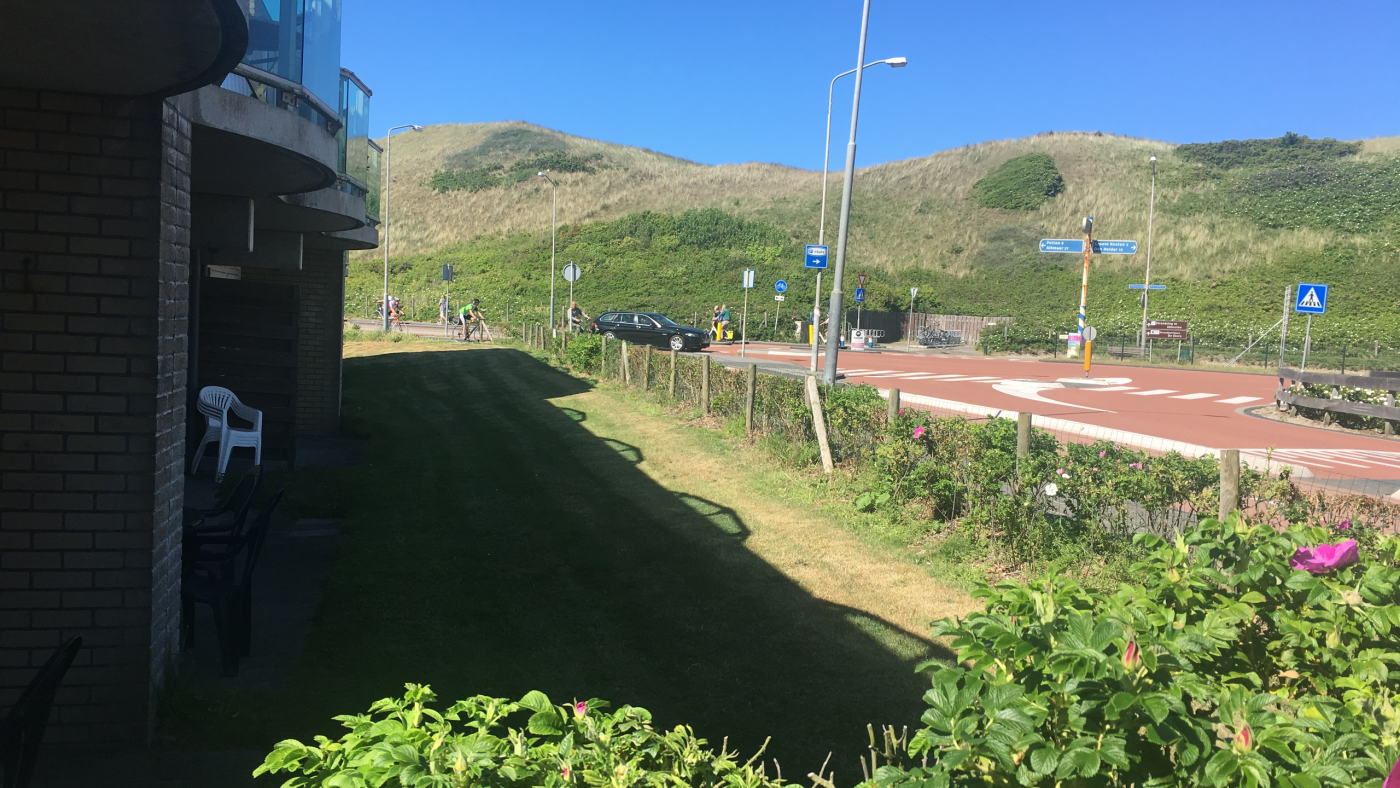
1147 286
833 332
388 179
553 223
894 62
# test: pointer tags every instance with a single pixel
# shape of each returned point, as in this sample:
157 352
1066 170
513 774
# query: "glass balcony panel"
320 70
275 37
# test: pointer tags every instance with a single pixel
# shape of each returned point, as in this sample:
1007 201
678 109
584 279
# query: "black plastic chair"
234 510
23 729
229 596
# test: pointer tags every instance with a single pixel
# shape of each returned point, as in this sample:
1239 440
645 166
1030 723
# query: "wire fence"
1019 487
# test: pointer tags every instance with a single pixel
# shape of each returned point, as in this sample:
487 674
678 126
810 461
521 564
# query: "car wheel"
677 343
609 335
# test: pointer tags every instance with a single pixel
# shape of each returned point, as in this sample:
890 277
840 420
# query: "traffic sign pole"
816 314
1151 205
1307 343
1084 287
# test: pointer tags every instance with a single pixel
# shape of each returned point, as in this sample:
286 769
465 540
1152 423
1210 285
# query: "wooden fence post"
1229 481
646 369
748 398
671 390
626 366
893 406
1389 403
1023 434
819 423
705 385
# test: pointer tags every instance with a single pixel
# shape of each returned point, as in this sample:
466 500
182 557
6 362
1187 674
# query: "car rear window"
609 317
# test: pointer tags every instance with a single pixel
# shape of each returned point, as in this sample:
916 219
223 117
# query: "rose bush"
1223 666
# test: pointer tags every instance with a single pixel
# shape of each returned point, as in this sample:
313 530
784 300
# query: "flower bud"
1244 739
1131 660
580 709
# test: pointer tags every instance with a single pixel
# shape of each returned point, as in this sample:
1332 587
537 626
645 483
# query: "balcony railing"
288 95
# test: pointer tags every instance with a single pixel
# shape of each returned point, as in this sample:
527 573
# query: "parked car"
650 328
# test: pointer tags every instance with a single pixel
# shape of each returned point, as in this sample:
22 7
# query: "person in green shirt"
724 318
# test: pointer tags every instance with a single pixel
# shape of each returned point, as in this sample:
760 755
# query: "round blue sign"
780 286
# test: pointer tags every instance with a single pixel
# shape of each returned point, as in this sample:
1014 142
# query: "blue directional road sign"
780 286
1149 287
1312 299
816 256
1114 247
1061 245
860 295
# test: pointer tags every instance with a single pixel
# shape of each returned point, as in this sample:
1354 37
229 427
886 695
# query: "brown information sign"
1166 329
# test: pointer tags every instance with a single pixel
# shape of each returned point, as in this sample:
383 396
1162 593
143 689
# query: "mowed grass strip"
511 529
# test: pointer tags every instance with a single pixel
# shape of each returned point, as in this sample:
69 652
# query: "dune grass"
908 214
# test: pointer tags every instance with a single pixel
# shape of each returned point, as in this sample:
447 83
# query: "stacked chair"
221 548
216 403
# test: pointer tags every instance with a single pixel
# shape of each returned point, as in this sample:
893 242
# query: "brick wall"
321 285
94 263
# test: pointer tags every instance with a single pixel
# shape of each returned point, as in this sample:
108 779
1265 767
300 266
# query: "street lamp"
833 332
1147 285
894 62
553 223
388 179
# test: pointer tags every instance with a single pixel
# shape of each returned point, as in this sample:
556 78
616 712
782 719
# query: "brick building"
180 181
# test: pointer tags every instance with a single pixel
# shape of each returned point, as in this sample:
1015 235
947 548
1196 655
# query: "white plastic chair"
215 402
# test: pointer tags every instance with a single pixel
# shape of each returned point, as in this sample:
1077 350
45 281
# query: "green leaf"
1043 760
535 700
546 723
1253 598
1220 767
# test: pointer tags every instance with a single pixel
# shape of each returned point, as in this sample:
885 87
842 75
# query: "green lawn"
493 544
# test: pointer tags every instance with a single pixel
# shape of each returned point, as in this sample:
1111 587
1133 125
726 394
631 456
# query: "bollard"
893 406
646 369
1023 434
1229 481
748 398
705 385
671 390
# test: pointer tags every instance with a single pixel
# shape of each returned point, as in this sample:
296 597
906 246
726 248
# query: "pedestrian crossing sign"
1312 299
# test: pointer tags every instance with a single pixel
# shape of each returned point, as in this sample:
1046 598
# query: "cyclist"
714 322
576 316
722 320
472 320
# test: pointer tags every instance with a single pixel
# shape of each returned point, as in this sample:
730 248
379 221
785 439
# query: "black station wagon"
650 328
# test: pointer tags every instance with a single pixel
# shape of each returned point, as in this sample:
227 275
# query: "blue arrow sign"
1061 245
780 286
816 256
1114 247
860 295
1312 299
1149 287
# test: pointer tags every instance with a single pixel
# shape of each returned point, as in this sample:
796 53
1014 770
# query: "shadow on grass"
493 545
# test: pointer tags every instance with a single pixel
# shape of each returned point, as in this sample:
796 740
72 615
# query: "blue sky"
720 81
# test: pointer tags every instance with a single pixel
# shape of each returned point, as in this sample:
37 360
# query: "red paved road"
1192 406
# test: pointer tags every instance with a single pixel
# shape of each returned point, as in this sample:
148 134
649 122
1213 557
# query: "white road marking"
1366 456
1107 388
1324 455
1153 392
1237 400
869 373
983 377
1031 391
1194 396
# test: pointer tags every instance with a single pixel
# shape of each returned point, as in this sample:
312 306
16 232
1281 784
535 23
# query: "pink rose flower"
1096 470
1136 465
1393 780
1101 454
1325 557
918 433
580 709
1344 525
1060 471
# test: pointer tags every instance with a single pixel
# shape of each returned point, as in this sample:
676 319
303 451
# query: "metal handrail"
295 88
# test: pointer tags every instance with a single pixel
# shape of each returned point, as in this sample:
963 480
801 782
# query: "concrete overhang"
132 48
248 148
320 211
347 241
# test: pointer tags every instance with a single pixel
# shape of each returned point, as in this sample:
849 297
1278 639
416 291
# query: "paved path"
1196 407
